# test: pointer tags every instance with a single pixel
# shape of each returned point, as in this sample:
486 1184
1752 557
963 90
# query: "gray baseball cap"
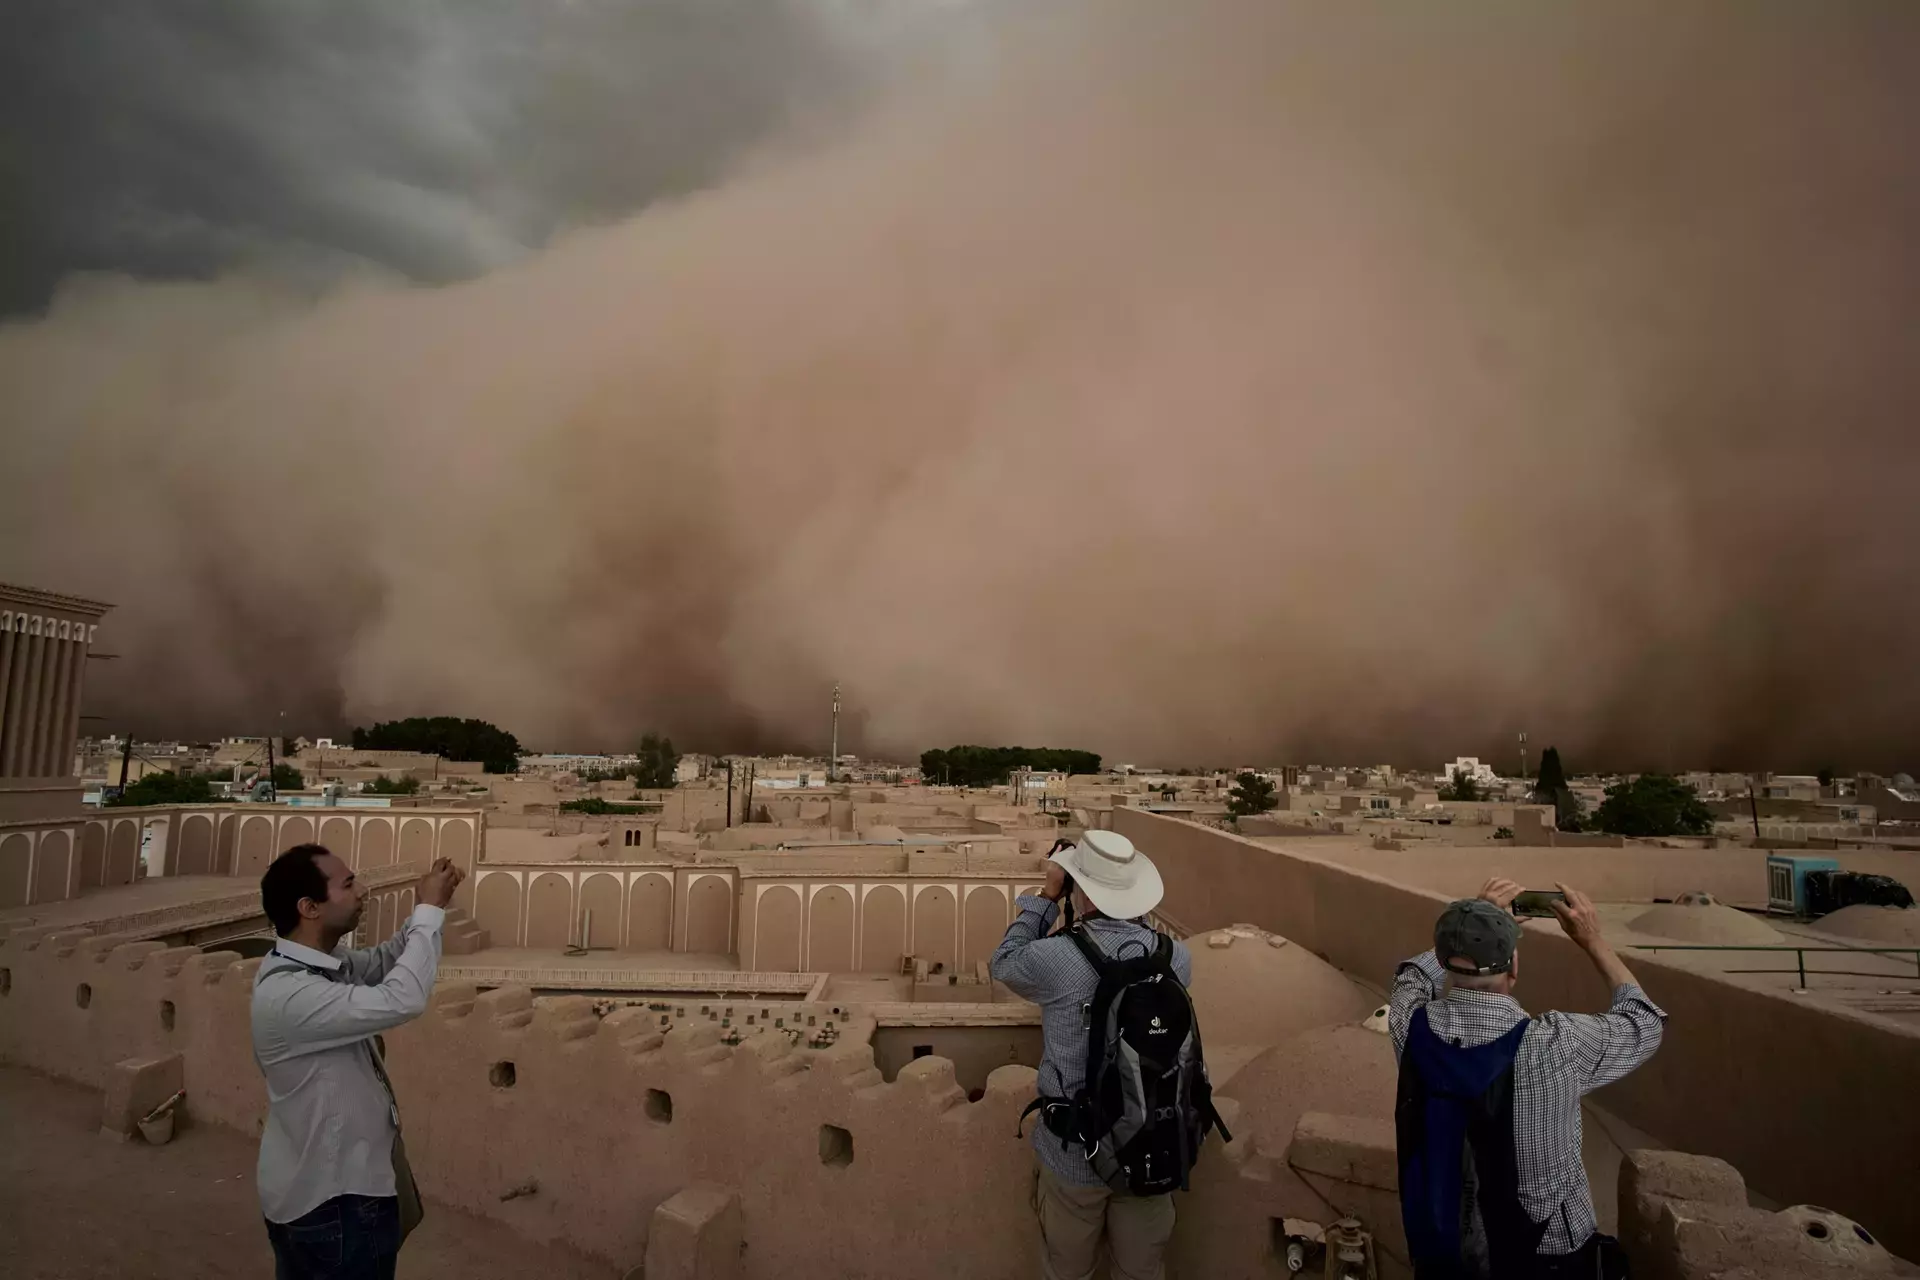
1474 936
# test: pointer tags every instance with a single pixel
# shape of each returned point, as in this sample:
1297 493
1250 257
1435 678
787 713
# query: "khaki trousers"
1073 1219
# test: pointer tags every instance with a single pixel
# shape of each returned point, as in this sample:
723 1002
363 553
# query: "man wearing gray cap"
1488 1107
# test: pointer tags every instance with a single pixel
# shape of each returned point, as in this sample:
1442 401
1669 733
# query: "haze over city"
1230 382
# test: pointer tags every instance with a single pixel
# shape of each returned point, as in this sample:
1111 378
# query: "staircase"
461 935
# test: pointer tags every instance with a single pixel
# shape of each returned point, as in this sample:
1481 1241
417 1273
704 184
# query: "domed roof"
1706 923
1874 924
1251 987
1348 1070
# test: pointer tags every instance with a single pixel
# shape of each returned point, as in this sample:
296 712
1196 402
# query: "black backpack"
1146 1105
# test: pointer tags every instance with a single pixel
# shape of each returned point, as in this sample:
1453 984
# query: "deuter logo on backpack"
1147 1104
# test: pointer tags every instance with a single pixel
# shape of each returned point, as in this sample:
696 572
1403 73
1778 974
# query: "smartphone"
1537 902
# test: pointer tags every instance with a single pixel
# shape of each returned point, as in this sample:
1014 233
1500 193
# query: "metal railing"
1800 957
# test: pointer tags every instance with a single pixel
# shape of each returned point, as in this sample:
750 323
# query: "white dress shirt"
331 1117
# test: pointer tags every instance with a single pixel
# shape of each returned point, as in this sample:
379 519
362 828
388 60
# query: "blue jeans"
347 1238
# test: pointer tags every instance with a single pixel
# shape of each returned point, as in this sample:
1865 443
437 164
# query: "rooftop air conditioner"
1787 881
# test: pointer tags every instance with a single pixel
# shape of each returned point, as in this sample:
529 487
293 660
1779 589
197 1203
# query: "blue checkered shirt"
1053 974
1563 1057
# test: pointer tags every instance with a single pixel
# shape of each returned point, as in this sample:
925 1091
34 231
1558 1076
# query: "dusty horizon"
1260 383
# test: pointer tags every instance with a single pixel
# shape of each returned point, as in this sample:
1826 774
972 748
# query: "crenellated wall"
831 1163
570 1126
605 1118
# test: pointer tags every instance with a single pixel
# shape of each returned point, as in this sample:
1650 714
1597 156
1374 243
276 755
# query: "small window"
659 1106
501 1075
836 1146
83 995
923 1051
166 1015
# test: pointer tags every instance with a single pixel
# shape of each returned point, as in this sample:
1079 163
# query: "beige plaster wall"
585 1120
637 906
24 800
1631 873
577 1122
1755 1076
861 923
55 860
975 1052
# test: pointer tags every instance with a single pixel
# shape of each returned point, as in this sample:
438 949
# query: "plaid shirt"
1053 974
1562 1057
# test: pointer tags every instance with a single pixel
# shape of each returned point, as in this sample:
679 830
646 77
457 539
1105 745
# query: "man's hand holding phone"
437 886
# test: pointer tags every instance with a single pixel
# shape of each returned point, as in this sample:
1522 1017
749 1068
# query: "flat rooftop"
169 904
99 905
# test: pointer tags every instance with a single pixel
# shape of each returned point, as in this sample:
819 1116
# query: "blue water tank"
1787 880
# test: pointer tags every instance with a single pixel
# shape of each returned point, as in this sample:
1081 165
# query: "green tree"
1551 788
657 762
971 766
446 737
595 805
1252 794
287 778
166 788
1553 775
385 786
1462 787
1825 777
1653 804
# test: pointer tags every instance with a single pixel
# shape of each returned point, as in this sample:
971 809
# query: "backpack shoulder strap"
1163 953
1091 950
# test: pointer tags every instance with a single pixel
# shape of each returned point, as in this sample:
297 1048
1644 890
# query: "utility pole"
126 759
833 760
273 793
1753 806
729 790
1523 755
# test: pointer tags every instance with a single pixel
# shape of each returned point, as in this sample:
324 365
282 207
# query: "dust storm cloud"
1223 382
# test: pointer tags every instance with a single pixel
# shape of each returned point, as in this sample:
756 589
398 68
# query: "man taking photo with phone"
1488 1106
335 1188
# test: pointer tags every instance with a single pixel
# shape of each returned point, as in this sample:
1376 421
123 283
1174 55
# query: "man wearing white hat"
1109 885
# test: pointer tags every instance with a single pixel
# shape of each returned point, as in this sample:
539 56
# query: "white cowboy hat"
1115 876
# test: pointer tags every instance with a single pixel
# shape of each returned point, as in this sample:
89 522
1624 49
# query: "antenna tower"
833 758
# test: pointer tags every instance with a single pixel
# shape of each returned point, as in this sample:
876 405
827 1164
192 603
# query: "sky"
1255 382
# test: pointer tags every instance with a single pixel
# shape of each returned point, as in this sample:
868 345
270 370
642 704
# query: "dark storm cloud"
430 138
1229 381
